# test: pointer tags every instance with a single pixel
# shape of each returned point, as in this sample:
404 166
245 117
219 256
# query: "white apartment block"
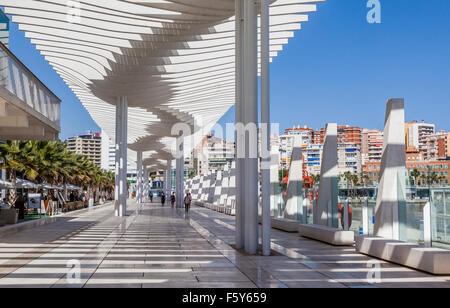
286 144
108 157
349 158
89 145
211 154
372 145
417 135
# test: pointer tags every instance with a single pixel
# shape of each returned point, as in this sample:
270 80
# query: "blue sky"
339 68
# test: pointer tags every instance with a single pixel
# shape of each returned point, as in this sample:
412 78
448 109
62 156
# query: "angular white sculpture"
200 188
327 203
212 185
225 181
390 208
294 194
232 186
195 187
218 188
274 180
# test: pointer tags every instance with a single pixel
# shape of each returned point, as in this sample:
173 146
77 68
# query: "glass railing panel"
440 217
414 221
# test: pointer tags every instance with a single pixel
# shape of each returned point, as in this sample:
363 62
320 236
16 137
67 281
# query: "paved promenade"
164 247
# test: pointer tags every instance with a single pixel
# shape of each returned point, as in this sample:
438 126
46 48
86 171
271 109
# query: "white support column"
390 196
169 178
140 177
240 182
265 119
250 120
327 202
121 156
179 196
146 185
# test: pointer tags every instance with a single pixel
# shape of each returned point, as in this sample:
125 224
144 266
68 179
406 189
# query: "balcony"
28 109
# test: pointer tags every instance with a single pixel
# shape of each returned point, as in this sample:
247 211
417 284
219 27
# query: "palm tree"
433 178
364 179
16 156
316 178
51 162
415 174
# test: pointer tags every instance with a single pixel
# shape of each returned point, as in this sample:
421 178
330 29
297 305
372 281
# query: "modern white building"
371 145
108 154
313 158
88 145
212 154
287 143
28 109
417 134
349 158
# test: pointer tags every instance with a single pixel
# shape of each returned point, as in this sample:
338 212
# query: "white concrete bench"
215 207
328 235
283 224
432 260
199 203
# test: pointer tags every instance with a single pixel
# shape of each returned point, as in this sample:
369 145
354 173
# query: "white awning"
173 60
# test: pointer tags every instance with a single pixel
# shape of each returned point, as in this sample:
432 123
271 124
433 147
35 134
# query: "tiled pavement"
164 247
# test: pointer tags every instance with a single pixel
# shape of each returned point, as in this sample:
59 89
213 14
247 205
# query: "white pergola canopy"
173 60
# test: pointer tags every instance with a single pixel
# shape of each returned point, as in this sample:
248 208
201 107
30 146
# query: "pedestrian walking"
172 199
163 199
187 202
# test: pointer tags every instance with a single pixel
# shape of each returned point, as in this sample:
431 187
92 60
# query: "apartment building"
108 158
444 146
371 145
89 145
349 158
287 143
211 154
349 152
313 158
417 133
436 146
425 168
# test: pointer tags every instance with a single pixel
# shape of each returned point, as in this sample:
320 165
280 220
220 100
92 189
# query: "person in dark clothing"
172 199
163 199
71 197
151 197
187 202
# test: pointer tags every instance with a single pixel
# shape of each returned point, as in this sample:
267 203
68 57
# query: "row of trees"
426 178
50 162
354 180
